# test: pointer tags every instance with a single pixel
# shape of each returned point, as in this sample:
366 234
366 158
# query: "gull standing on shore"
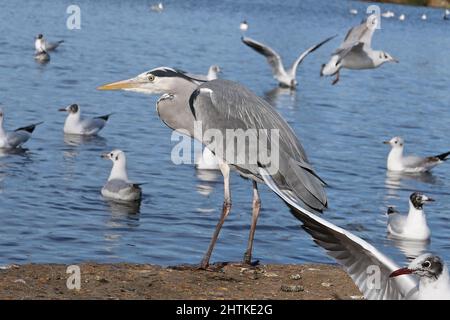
396 161
118 187
356 51
76 124
412 226
16 138
286 79
361 260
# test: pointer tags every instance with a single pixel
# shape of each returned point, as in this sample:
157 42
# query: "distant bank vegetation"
428 3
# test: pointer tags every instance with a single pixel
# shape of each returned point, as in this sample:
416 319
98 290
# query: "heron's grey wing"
17 138
223 105
397 222
272 57
300 59
368 267
359 34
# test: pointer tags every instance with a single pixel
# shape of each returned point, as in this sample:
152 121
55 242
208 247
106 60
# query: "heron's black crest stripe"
192 99
173 73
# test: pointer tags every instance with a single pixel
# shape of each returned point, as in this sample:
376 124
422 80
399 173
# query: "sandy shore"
138 281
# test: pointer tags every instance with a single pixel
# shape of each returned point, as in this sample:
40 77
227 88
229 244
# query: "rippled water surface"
51 209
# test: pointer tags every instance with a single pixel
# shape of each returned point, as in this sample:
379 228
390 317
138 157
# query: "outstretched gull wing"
300 59
368 267
273 58
359 34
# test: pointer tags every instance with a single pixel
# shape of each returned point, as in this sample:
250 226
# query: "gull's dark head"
39 36
72 109
418 200
156 81
426 265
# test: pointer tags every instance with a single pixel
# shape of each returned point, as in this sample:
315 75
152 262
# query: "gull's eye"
112 154
151 77
395 141
426 264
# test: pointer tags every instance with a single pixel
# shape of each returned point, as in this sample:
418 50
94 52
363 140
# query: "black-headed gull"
76 124
397 162
42 45
118 187
412 226
356 51
16 138
286 78
376 275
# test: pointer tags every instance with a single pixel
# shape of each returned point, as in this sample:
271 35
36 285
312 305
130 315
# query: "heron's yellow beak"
120 85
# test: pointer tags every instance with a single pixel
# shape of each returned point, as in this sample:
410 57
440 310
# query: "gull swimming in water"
446 14
213 73
41 45
361 260
396 161
76 124
388 14
16 138
402 17
356 51
157 7
243 26
353 11
412 226
286 78
118 187
423 17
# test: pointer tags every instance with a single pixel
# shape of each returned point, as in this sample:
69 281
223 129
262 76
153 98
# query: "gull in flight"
396 161
16 138
286 78
76 124
42 45
118 187
362 261
356 51
412 226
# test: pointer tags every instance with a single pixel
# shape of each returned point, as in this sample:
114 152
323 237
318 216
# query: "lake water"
51 209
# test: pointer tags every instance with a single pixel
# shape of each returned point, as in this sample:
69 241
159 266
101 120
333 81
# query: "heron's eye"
151 77
426 264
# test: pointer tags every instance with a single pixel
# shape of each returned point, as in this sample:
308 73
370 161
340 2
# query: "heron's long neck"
119 170
176 112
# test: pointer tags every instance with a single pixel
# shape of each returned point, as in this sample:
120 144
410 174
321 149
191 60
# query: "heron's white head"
156 81
116 156
425 265
395 142
71 109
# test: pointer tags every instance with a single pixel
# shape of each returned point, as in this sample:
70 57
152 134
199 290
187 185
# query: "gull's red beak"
399 272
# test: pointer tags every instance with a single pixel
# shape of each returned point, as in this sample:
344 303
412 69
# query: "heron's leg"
225 169
255 214
336 79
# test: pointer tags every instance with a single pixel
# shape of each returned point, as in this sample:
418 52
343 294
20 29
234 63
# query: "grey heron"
16 138
118 186
356 52
77 124
286 78
375 274
397 162
223 105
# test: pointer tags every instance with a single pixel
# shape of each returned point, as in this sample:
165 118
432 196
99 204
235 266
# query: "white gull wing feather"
353 253
299 60
396 223
360 34
273 58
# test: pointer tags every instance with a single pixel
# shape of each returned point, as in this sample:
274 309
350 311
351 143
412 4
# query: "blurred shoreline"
424 3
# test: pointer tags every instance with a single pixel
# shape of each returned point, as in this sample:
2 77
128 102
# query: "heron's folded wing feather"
368 267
